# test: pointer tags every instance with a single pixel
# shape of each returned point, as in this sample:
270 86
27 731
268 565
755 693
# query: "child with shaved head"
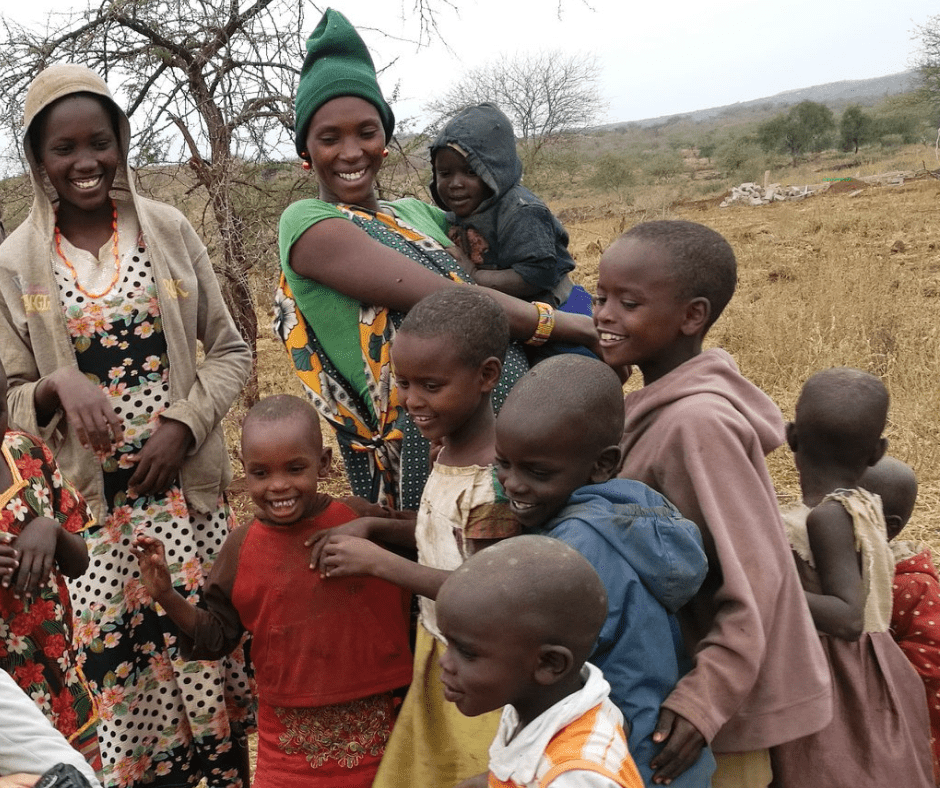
916 588
556 453
520 619
879 730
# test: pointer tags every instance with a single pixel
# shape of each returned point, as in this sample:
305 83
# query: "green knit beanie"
337 64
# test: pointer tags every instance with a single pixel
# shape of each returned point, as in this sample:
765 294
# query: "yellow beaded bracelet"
545 326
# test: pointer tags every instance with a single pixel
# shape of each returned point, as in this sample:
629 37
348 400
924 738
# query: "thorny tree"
544 94
208 82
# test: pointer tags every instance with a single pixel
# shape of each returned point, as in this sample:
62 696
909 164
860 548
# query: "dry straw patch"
830 281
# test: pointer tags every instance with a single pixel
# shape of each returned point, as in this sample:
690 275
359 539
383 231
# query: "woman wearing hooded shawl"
105 295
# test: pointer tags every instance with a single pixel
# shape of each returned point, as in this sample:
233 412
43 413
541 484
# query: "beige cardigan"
34 341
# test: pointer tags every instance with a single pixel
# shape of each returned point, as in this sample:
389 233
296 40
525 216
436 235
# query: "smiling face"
78 146
346 142
489 662
441 392
638 312
458 186
540 467
284 460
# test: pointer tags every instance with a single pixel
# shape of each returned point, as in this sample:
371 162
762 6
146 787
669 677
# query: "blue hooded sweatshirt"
519 230
651 561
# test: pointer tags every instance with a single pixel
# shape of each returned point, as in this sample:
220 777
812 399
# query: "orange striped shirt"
594 742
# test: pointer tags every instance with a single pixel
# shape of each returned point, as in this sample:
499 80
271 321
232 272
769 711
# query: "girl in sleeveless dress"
879 733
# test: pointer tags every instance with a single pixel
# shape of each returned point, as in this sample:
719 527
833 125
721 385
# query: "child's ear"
555 662
894 524
791 435
879 451
607 464
697 312
490 370
326 462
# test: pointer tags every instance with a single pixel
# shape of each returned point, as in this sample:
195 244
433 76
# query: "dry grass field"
832 280
838 279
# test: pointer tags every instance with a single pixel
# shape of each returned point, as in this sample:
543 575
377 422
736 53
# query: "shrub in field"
663 164
613 171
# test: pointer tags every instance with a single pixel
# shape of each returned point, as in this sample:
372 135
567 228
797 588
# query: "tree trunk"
232 269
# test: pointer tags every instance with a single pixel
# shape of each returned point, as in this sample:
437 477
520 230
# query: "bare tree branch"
545 95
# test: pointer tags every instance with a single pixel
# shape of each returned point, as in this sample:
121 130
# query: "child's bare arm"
399 532
344 556
839 609
506 281
155 577
394 531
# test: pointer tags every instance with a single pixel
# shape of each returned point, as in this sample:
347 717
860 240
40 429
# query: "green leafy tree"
855 128
804 128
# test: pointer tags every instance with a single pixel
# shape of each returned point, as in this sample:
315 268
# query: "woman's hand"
154 572
159 461
35 547
86 407
316 543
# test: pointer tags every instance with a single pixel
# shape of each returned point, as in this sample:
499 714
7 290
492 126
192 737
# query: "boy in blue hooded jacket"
557 448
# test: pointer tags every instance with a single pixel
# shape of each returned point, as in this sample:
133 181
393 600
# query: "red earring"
306 159
306 165
385 153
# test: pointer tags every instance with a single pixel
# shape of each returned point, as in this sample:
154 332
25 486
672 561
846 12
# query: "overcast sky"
657 58
663 58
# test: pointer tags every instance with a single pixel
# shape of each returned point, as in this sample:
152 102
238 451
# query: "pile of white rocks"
755 194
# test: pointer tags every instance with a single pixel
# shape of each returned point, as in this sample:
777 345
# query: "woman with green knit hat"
353 265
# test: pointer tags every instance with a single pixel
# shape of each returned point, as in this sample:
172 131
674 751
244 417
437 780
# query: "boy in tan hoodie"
698 433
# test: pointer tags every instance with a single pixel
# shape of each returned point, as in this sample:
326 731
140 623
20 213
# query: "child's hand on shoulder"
358 527
343 555
154 572
35 548
9 560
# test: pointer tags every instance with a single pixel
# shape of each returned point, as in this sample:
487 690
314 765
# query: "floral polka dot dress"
164 721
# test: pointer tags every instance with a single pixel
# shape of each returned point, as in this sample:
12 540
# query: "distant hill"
835 95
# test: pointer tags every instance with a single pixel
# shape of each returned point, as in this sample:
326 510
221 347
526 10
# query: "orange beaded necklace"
114 248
